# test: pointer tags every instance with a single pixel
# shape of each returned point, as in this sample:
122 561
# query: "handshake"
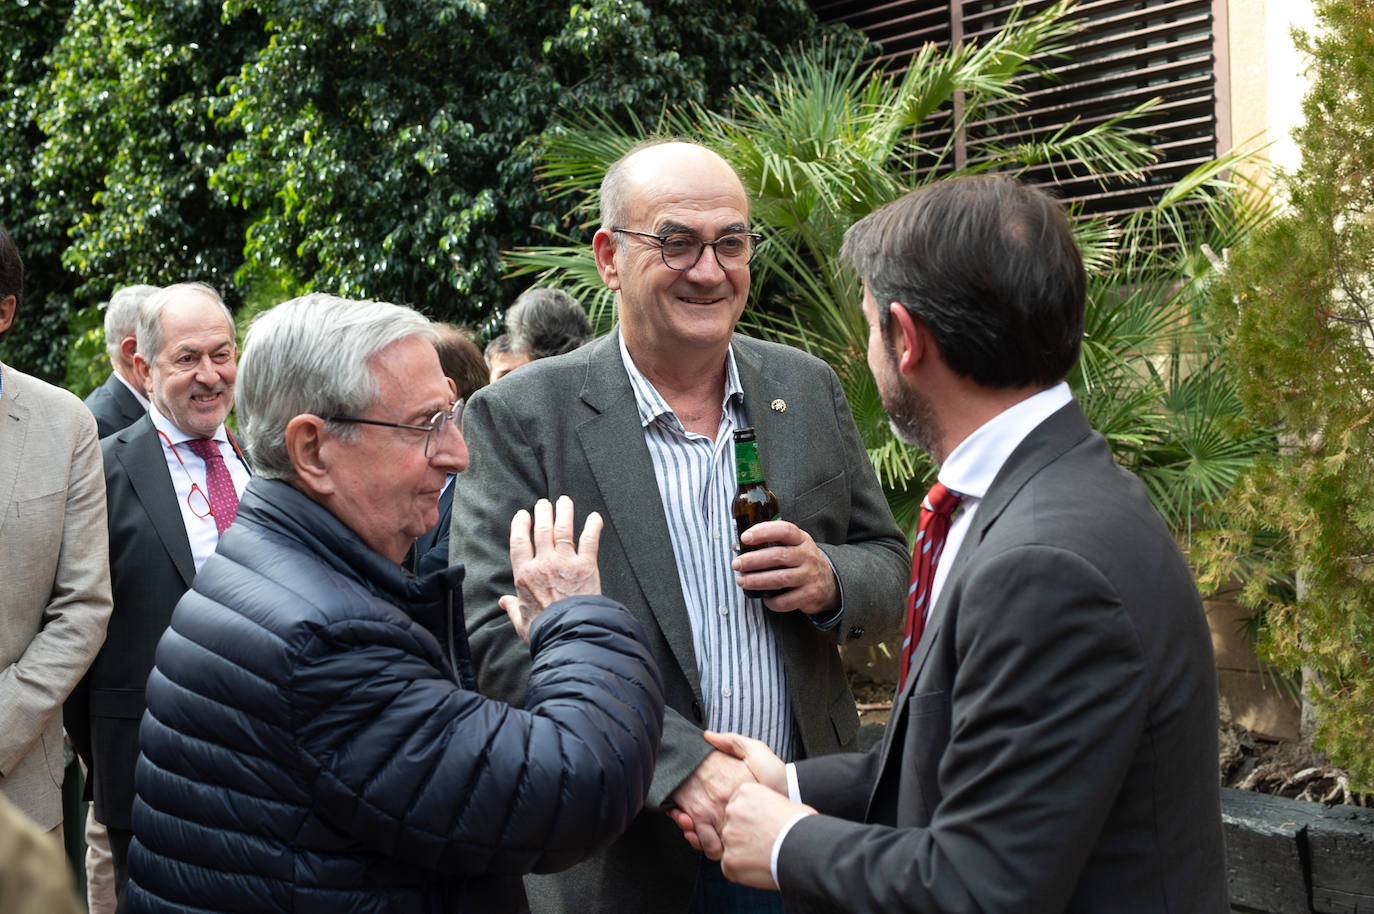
733 806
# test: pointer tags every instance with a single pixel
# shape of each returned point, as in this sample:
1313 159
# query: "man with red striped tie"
172 480
1052 746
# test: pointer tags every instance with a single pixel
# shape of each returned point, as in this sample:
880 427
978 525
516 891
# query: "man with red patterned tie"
1052 746
172 480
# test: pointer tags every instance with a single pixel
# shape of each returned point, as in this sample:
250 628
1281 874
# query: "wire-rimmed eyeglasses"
434 430
682 250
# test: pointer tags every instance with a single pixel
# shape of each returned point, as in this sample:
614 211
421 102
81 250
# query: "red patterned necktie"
939 504
224 500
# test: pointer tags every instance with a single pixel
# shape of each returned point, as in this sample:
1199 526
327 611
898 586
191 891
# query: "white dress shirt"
188 469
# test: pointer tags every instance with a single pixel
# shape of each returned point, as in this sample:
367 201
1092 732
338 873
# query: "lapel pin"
779 405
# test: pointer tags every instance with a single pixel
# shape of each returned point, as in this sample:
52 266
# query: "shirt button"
726 692
715 534
725 611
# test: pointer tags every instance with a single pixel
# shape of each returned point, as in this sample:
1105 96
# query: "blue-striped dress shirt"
743 681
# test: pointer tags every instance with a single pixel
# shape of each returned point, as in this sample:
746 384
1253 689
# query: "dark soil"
1281 768
1246 761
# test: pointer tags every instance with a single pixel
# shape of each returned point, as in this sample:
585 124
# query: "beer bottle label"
748 469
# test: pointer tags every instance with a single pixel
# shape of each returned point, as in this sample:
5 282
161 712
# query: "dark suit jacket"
1056 747
569 425
150 568
430 552
114 406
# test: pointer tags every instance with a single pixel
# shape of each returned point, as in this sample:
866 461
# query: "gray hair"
121 316
545 322
149 333
313 355
499 345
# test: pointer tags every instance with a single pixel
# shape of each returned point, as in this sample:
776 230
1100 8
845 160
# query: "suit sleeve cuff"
829 621
777 842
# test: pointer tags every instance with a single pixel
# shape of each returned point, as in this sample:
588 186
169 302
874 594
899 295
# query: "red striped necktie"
936 510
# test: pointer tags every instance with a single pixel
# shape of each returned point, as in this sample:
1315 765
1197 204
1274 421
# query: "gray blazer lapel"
144 463
612 439
14 414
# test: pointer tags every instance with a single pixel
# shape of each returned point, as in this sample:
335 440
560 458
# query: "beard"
911 416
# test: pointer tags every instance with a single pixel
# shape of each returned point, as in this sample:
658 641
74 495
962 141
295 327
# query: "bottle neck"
748 468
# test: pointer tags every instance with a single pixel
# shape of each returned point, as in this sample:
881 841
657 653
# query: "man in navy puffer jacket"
313 740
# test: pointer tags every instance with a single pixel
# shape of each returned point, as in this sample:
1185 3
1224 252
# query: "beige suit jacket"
54 580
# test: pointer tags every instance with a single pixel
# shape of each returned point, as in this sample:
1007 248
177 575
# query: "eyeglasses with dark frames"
682 250
434 430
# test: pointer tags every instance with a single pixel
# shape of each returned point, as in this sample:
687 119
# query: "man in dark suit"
638 426
119 402
1053 747
172 481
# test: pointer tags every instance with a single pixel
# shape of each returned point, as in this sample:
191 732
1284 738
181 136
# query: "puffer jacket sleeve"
419 769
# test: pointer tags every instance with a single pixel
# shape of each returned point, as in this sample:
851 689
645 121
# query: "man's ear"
127 347
143 373
309 446
604 247
8 305
910 339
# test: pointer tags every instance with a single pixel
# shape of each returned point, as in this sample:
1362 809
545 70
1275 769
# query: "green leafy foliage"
371 149
1295 310
825 137
115 184
389 151
29 30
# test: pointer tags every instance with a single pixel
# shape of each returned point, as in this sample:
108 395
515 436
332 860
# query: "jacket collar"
281 508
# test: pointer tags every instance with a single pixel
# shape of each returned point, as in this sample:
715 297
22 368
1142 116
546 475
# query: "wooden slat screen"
1129 51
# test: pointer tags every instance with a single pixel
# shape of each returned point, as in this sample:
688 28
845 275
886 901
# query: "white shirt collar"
971 467
651 404
176 435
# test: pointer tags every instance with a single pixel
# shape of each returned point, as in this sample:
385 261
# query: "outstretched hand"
545 562
700 800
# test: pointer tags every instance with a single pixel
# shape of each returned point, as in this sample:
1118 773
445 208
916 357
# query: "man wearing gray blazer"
54 567
638 426
1054 745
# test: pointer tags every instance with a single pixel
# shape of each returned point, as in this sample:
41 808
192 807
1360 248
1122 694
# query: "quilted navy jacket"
308 746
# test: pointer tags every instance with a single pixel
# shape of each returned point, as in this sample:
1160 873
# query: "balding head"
649 163
664 204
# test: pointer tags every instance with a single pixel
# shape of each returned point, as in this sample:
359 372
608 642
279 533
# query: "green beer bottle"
754 503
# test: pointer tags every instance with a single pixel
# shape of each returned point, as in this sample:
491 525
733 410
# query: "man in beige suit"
54 567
